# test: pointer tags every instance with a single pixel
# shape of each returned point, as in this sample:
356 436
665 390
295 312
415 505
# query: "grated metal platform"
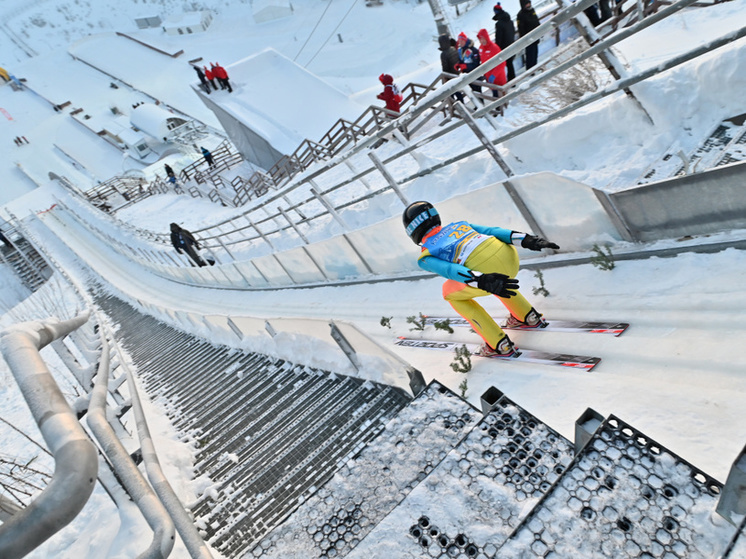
361 494
479 494
625 496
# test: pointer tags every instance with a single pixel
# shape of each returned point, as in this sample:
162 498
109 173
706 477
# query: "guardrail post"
489 398
733 497
585 427
388 176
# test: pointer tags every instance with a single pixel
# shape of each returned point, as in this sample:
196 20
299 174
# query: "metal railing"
356 175
76 458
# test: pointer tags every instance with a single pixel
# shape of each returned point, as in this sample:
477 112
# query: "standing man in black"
527 22
504 35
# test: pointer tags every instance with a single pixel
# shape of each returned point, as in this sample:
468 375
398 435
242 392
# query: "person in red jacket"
488 49
390 93
210 78
222 77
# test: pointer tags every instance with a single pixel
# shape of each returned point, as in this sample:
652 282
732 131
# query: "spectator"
222 76
488 49
504 35
208 156
390 93
593 15
202 79
449 60
209 76
169 170
527 22
184 240
468 56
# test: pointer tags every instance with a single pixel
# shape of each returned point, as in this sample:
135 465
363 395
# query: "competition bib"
455 242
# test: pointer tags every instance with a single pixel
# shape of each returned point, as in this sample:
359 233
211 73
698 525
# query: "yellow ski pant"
491 256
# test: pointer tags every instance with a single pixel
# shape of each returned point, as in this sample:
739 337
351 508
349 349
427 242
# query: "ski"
592 327
526 355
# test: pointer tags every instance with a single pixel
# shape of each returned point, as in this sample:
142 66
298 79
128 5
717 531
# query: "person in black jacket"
202 79
184 240
449 60
504 35
527 22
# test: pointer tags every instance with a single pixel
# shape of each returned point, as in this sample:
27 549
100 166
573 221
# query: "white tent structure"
262 83
155 121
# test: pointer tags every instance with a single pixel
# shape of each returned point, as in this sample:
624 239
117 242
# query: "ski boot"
505 348
533 320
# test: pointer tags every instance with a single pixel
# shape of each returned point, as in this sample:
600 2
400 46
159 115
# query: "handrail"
76 458
241 230
138 489
182 520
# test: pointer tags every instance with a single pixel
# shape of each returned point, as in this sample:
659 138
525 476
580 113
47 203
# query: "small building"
156 121
188 23
120 133
270 10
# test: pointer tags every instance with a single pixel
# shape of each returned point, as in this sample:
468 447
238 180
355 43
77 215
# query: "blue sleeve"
504 235
449 270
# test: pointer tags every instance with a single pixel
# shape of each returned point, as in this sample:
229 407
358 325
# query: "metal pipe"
76 458
132 480
184 523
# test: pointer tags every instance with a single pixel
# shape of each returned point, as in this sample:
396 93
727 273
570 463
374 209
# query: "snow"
676 375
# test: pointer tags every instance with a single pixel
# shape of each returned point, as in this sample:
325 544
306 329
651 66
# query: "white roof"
282 101
154 120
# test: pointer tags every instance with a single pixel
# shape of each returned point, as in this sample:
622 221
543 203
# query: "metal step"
725 144
625 495
348 508
268 433
471 503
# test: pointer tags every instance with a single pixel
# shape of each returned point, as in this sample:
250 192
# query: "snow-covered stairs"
725 144
624 495
27 263
360 496
267 432
507 486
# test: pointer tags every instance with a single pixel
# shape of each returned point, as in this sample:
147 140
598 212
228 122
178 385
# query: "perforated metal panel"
361 494
625 496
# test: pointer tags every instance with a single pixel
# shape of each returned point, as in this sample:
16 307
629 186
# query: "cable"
313 30
332 33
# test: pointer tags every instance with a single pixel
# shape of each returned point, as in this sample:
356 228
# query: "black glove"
537 243
498 284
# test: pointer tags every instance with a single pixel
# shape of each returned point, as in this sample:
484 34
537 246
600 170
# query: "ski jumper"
453 250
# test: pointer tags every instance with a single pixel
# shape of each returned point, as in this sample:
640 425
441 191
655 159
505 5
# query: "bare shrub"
566 88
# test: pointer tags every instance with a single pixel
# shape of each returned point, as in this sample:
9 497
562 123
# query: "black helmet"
418 219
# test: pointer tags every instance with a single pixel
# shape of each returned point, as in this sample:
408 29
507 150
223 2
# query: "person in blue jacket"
476 261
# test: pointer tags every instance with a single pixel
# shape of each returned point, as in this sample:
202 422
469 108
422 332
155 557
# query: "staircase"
725 144
266 432
27 263
506 485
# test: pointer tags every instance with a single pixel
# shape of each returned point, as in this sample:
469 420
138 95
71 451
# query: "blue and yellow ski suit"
453 250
